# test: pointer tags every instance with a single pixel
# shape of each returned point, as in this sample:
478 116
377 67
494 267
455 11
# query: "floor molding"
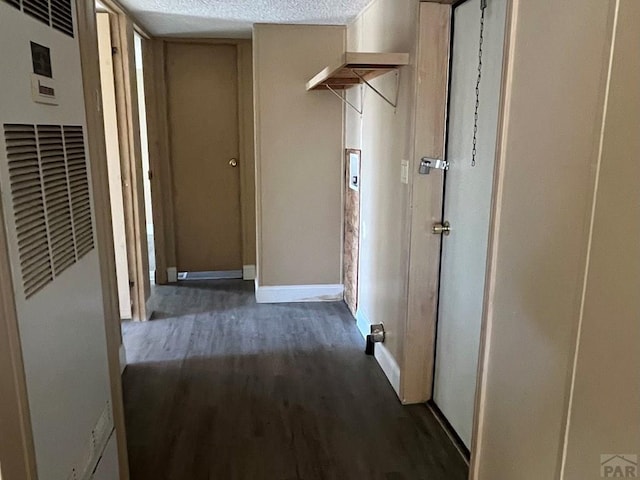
213 275
249 272
172 274
383 356
299 293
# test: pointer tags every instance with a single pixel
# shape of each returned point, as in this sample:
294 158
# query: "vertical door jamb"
122 30
426 200
88 40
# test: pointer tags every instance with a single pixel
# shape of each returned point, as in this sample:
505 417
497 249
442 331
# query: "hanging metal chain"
474 152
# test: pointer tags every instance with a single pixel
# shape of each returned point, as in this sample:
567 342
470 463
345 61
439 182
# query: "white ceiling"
234 18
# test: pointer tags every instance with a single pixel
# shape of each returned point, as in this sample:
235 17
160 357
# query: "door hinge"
426 164
150 175
114 50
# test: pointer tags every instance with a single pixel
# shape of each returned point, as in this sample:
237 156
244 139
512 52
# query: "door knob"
233 162
442 228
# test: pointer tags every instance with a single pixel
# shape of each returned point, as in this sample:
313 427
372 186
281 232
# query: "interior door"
202 90
467 206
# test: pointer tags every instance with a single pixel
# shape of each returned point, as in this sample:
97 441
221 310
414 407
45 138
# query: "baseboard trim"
172 274
122 353
249 272
383 356
299 293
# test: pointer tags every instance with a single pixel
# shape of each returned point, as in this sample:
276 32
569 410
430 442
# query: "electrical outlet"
404 171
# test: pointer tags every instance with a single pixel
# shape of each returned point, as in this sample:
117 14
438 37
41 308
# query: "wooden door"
202 91
467 206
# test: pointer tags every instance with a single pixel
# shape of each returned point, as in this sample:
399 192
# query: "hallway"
219 387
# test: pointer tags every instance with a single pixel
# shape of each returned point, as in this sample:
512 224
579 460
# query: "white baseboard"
299 293
383 356
123 359
172 274
249 272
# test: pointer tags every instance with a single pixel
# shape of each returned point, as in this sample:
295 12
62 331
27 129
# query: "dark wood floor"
218 387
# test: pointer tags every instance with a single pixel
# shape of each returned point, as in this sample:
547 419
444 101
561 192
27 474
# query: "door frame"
125 81
88 40
433 63
154 56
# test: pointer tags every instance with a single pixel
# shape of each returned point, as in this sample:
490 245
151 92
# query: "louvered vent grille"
28 204
56 193
51 200
55 13
79 184
38 9
13 3
61 16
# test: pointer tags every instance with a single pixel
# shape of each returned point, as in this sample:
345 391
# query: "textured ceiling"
234 18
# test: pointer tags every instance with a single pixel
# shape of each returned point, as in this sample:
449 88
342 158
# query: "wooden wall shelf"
356 69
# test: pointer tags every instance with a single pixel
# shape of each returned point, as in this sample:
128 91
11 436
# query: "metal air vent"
13 3
79 188
62 16
51 200
57 14
38 9
28 205
57 198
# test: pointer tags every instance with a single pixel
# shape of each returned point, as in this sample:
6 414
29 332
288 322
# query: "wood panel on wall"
351 236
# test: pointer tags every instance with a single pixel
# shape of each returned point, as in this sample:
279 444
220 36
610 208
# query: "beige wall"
298 156
548 155
605 408
386 138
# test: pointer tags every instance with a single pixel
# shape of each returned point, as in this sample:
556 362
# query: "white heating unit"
47 199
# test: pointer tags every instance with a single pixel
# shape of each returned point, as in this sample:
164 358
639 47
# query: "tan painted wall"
605 411
385 138
548 152
298 156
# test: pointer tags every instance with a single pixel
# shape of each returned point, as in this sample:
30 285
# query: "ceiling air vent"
57 198
28 205
38 9
61 16
79 187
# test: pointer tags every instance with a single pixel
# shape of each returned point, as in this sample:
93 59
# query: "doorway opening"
478 32
144 147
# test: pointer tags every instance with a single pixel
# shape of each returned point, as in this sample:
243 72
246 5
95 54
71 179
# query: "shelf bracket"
347 102
394 103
